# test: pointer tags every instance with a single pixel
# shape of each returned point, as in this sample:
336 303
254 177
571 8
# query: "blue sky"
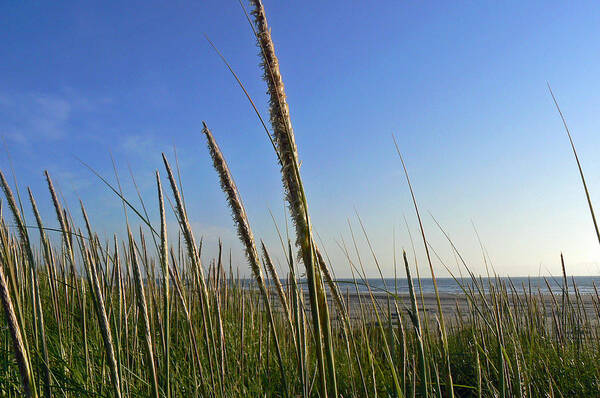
461 85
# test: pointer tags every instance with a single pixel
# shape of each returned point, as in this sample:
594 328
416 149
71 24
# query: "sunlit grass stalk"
585 187
19 350
143 309
244 232
46 358
285 145
102 316
273 272
297 309
37 308
67 240
219 313
343 312
47 251
19 299
433 278
164 262
416 321
197 269
179 290
379 324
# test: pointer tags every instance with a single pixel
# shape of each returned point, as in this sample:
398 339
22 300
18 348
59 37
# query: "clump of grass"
143 310
20 352
502 339
19 341
101 313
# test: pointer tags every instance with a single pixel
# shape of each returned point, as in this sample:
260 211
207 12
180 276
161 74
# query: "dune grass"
509 340
143 316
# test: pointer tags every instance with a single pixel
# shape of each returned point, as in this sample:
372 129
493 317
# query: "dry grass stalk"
271 268
290 169
585 187
244 231
164 262
143 308
101 314
416 321
194 256
14 208
433 278
25 243
179 290
67 238
62 221
20 352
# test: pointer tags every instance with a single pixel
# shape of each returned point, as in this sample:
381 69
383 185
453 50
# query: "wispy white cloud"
71 182
33 117
141 145
50 116
13 136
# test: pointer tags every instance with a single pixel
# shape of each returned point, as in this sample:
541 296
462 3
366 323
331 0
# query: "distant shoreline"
451 303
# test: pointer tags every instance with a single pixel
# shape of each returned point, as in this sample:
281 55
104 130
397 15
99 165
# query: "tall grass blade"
287 152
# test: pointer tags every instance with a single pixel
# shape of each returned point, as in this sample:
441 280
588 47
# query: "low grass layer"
143 316
508 343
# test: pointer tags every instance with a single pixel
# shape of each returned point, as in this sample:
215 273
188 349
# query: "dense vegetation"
145 317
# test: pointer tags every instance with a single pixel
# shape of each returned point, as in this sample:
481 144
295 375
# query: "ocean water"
584 284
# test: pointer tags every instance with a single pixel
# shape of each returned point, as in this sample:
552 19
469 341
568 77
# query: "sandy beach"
453 305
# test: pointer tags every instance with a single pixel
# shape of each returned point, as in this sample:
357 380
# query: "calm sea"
585 284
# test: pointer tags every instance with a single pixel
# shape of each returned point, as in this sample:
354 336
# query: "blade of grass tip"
244 231
419 284
114 165
483 252
116 192
139 195
62 222
464 263
283 246
435 287
260 118
14 175
587 193
179 181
